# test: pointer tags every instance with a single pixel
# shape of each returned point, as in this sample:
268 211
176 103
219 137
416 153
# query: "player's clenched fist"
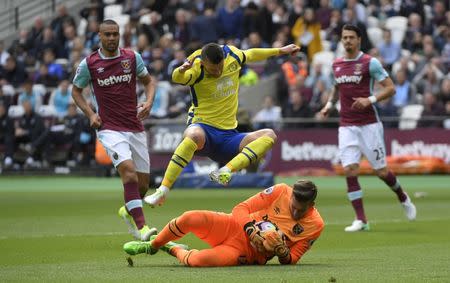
255 236
143 110
95 121
186 66
289 49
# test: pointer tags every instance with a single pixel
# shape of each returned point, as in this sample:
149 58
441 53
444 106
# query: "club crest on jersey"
358 68
126 65
233 67
297 229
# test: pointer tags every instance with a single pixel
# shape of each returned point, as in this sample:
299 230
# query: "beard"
111 47
349 49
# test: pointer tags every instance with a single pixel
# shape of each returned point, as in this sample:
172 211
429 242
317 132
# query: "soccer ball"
265 226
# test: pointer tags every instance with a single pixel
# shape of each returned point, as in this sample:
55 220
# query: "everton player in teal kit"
111 74
360 130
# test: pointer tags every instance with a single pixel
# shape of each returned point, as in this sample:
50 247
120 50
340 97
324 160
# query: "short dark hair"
353 28
213 53
304 191
109 22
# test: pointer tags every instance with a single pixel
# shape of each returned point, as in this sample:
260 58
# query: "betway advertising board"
313 148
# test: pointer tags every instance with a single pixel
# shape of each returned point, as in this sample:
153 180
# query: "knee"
191 219
271 134
382 173
128 175
196 135
185 219
351 170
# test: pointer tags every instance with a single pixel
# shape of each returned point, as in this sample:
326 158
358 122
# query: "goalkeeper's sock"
251 153
133 203
395 186
181 157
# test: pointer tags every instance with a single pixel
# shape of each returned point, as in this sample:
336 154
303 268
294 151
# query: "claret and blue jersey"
112 81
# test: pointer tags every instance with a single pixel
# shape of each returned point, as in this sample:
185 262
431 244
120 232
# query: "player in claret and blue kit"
360 130
111 73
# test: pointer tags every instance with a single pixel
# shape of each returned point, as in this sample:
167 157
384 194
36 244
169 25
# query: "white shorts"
367 140
122 146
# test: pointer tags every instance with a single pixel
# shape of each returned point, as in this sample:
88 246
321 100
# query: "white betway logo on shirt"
348 79
114 80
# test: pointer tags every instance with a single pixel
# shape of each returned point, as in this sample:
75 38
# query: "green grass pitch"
58 229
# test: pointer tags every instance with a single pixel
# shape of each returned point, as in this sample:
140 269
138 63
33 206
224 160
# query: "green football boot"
221 177
138 247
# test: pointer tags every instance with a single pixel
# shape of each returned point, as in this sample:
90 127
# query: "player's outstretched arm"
259 54
184 74
94 119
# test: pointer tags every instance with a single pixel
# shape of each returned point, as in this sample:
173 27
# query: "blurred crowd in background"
410 38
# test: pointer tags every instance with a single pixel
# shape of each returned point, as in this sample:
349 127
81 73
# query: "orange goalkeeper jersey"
273 204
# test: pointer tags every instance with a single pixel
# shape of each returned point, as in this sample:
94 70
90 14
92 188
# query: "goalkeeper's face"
299 209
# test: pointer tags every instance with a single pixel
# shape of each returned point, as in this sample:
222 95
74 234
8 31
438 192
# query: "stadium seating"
46 111
326 44
397 25
375 35
373 22
121 20
111 11
15 111
409 116
325 58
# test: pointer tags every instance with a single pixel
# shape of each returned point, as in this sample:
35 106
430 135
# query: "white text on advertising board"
420 148
308 151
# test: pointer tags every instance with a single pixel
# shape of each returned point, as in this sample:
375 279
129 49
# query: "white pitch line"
63 235
395 220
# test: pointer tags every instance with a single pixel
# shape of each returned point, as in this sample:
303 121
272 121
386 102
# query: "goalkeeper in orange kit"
236 239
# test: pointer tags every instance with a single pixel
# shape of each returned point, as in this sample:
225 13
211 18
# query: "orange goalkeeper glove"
274 243
255 236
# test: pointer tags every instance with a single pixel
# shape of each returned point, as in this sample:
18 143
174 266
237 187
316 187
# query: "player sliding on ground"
213 76
236 238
